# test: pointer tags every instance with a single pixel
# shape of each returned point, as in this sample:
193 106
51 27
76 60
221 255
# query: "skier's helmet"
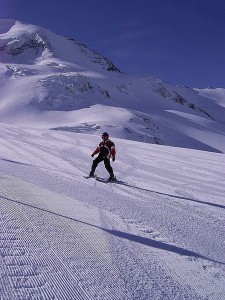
105 135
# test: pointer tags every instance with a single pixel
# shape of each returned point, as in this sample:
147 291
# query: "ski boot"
111 177
92 174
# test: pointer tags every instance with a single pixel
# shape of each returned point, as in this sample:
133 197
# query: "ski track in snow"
160 235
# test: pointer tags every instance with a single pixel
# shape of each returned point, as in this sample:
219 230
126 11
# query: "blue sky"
180 41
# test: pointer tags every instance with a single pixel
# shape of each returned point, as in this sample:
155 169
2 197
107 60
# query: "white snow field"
160 234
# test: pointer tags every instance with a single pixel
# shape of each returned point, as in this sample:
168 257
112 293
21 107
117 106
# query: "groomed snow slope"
159 235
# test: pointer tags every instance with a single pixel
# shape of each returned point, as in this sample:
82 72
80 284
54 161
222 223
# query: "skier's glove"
113 159
92 155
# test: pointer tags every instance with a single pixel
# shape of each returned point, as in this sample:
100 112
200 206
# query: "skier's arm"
113 150
96 151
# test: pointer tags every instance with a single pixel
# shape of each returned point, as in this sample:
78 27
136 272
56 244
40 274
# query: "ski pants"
106 162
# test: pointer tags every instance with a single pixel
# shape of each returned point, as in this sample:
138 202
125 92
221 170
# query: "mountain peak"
31 44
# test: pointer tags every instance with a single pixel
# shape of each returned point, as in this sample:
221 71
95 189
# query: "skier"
106 149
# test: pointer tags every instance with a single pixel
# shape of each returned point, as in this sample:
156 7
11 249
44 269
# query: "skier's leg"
109 168
95 164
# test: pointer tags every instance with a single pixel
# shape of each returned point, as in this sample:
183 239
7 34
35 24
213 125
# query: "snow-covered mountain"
48 80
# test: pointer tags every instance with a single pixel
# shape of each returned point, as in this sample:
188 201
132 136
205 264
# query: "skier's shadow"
173 196
13 161
128 236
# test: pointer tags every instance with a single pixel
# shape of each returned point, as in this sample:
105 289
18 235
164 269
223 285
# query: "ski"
87 176
106 180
